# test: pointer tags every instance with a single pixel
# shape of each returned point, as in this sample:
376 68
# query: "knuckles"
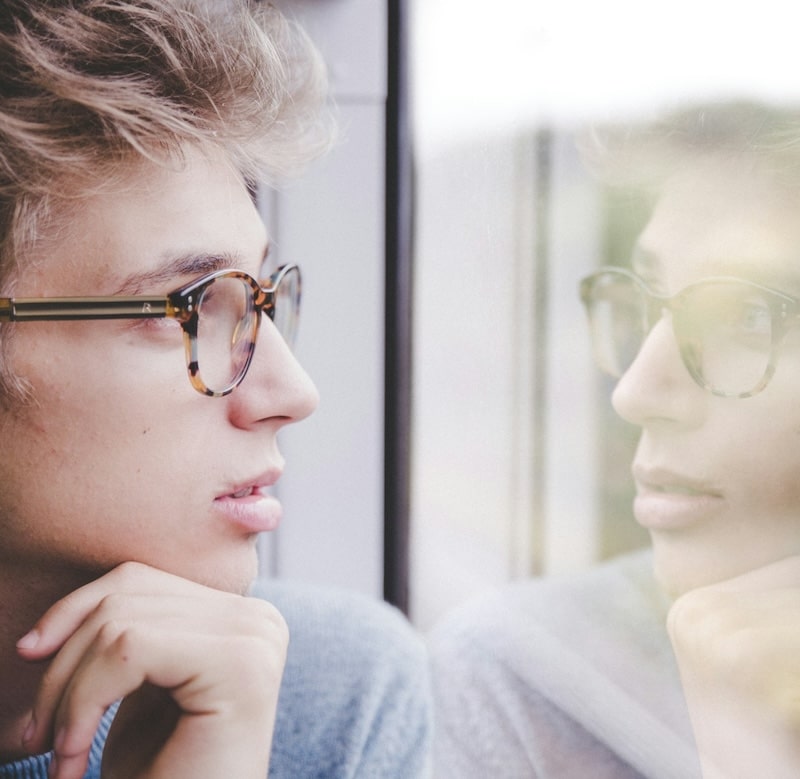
210 651
265 616
729 637
711 633
127 575
697 614
252 630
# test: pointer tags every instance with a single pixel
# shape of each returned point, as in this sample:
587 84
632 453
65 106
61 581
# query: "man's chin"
678 574
236 583
236 577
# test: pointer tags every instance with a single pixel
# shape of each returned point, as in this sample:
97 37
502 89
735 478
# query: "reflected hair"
91 88
643 155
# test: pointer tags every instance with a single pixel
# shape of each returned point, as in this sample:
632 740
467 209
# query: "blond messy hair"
644 155
89 87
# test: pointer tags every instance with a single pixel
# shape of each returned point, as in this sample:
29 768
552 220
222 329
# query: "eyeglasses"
219 314
728 330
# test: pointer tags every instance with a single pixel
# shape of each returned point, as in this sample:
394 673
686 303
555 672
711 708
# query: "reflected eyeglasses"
220 314
728 330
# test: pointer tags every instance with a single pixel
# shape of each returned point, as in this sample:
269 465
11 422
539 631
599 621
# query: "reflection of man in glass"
702 335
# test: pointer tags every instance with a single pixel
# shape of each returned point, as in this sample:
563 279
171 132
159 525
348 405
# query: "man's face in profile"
119 457
716 477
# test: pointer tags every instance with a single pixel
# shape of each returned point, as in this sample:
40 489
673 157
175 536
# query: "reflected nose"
276 386
657 385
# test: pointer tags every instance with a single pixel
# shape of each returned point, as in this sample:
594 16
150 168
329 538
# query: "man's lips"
669 500
249 505
246 492
242 488
659 479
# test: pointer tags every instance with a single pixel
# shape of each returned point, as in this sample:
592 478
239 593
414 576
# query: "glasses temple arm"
55 309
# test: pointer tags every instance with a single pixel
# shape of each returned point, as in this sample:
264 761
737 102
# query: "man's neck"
24 597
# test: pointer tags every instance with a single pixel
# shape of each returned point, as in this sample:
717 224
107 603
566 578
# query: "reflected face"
718 479
119 458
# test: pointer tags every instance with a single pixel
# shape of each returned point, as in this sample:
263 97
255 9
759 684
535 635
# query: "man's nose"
276 386
657 384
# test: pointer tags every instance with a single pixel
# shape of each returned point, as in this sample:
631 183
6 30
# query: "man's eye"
746 317
158 326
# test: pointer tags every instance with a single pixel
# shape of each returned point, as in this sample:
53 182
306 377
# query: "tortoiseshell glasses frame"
218 312
729 331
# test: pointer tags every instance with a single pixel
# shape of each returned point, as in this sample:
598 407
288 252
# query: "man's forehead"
140 238
720 219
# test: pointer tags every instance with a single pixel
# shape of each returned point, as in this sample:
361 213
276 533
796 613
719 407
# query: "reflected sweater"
566 677
354 699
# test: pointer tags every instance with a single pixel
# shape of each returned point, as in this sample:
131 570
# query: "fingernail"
29 640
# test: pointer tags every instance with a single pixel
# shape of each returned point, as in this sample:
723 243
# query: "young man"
140 416
577 676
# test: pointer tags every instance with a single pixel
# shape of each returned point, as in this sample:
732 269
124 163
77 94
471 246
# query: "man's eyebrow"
195 264
179 268
649 266
778 279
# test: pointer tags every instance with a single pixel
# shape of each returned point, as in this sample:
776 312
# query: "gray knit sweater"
354 701
562 678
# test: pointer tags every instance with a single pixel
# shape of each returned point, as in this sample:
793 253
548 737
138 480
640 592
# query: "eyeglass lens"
227 323
723 329
287 305
226 331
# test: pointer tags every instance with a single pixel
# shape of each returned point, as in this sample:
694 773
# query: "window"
520 467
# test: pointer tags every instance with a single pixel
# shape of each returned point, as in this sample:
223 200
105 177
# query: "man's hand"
738 649
199 669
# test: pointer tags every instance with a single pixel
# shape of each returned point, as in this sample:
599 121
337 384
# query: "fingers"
64 617
116 664
743 712
747 639
218 656
226 694
737 644
731 613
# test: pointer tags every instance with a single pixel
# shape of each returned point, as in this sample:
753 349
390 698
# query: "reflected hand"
737 644
199 669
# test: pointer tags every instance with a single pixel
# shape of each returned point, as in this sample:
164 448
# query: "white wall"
332 224
504 482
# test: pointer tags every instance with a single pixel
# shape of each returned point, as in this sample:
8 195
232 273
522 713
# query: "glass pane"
553 138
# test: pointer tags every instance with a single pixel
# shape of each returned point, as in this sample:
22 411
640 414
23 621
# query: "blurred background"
464 438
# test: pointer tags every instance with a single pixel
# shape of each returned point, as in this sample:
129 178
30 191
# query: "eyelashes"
163 329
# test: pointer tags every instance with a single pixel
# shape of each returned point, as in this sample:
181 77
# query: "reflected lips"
666 500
